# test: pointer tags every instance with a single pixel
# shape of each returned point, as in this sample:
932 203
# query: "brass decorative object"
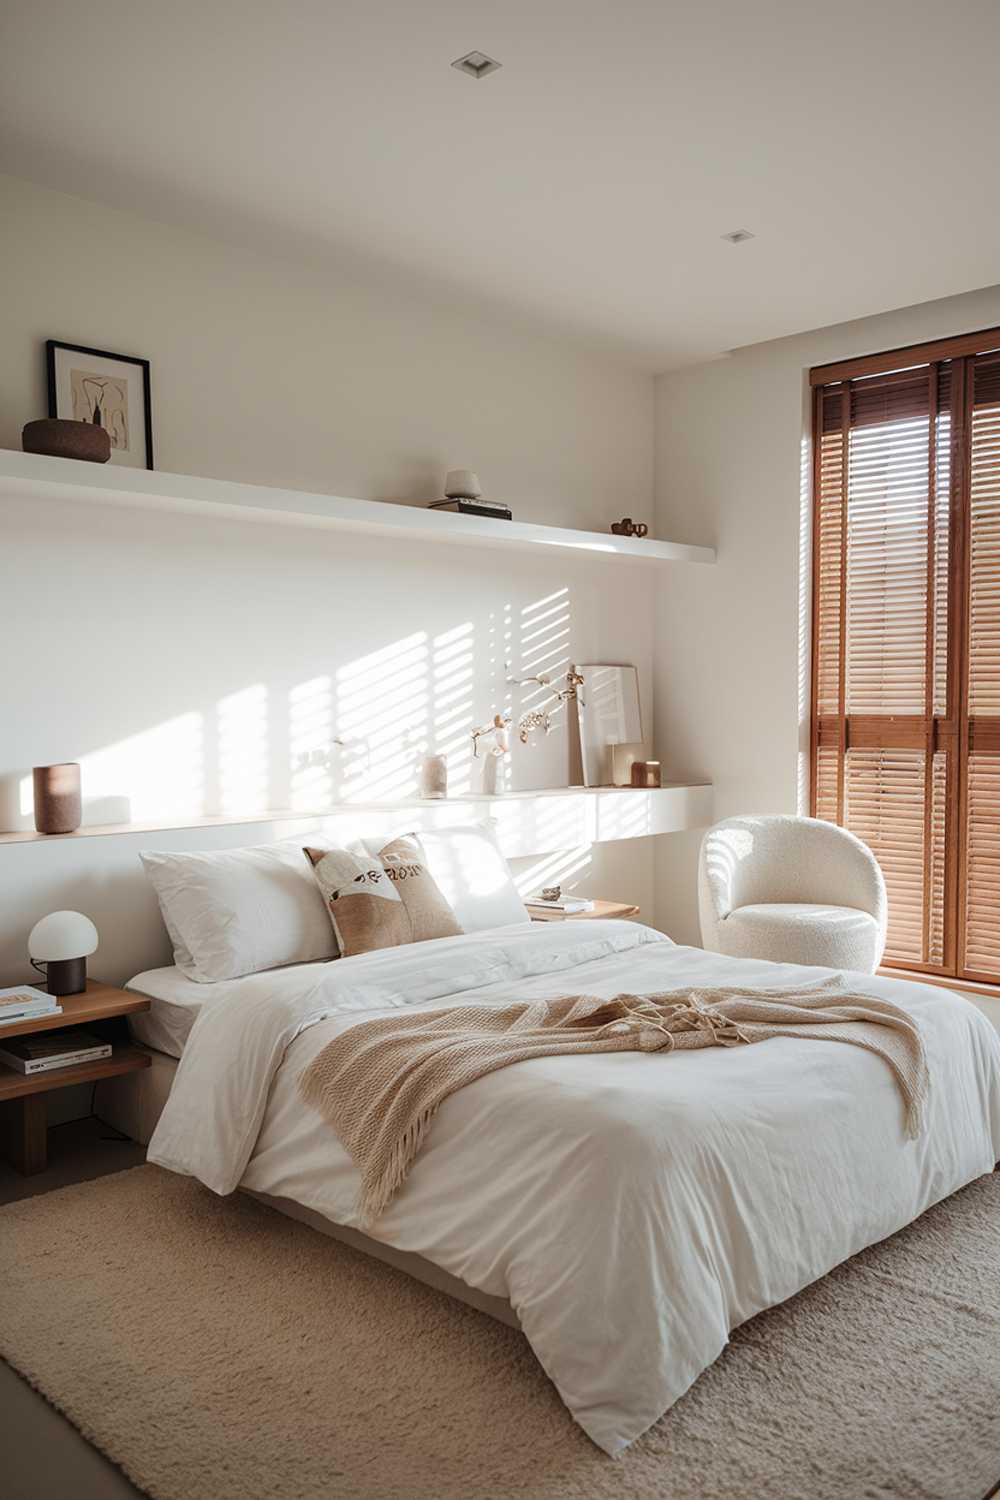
539 717
627 527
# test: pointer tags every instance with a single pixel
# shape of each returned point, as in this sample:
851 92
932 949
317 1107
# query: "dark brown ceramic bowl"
60 438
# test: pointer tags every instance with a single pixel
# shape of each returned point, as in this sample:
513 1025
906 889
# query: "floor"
50 1460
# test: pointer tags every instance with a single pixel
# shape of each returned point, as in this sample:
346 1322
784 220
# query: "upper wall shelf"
31 475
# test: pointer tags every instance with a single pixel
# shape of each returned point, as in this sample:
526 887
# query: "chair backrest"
747 861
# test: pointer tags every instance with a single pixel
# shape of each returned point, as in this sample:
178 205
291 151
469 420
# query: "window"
906 638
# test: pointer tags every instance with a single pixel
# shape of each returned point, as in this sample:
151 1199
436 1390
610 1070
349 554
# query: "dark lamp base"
66 976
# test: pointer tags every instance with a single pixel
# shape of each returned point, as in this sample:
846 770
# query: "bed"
627 1209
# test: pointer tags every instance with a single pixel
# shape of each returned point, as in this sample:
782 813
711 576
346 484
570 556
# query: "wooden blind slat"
933 383
982 800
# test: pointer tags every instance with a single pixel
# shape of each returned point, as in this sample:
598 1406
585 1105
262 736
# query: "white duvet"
633 1207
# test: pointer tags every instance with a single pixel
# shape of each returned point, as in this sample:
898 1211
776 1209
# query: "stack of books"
52 1049
567 904
23 1002
477 507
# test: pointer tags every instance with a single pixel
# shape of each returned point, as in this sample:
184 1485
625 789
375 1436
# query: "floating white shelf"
34 476
97 869
527 823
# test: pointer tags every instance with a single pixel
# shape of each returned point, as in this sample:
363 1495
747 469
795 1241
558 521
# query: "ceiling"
585 186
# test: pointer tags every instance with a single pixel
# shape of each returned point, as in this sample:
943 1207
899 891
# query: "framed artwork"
111 390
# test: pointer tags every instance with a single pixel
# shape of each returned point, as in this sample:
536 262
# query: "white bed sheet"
633 1208
177 1002
176 1005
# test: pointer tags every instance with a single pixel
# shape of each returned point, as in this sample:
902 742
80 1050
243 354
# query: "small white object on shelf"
494 776
462 484
494 766
434 777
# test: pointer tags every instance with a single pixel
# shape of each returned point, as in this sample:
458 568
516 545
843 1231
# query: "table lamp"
61 941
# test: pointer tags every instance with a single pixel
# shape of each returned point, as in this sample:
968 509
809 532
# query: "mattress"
177 1002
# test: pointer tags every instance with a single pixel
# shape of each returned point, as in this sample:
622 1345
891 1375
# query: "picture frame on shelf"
110 390
609 719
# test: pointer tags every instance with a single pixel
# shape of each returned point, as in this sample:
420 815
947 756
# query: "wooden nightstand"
601 909
22 1097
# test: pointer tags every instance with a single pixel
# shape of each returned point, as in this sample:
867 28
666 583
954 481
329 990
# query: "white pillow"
239 911
474 876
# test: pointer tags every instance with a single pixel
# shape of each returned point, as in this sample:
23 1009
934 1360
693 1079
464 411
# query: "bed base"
133 1104
404 1260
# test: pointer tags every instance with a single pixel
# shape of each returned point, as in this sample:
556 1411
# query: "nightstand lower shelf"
22 1101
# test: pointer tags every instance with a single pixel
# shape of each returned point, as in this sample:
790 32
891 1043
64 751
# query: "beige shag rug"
215 1349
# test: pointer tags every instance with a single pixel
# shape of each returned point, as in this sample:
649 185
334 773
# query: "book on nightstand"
567 904
21 1002
54 1049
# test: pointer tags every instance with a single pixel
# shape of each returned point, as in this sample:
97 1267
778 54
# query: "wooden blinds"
906 639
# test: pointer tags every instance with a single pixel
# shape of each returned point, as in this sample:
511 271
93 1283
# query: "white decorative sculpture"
494 765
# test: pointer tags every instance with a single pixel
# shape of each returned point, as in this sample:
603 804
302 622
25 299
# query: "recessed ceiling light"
737 236
476 64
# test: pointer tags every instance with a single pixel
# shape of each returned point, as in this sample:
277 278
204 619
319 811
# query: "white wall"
193 666
732 469
987 1004
204 666
279 373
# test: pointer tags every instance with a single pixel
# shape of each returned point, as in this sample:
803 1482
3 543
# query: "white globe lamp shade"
61 935
62 941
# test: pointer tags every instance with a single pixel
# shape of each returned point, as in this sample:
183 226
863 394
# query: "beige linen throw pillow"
381 900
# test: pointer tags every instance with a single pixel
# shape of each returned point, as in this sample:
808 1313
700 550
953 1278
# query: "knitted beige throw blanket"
380 1082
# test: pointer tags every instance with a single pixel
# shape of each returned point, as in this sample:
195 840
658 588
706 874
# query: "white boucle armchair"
792 890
